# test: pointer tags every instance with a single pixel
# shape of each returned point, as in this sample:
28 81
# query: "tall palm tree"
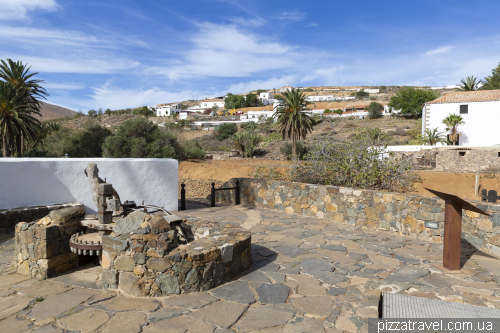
12 105
452 122
291 120
470 84
433 136
18 75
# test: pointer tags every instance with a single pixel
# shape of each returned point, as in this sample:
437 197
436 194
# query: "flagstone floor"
308 275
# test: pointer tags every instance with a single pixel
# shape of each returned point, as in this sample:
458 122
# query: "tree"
452 122
375 110
214 109
88 142
411 101
225 131
12 105
470 84
24 84
362 93
432 137
292 121
234 101
147 112
251 100
92 113
493 81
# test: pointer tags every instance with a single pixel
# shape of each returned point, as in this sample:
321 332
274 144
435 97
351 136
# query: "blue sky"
118 54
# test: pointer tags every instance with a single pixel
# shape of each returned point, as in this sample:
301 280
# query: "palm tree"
470 84
13 109
239 141
18 75
433 136
452 122
291 120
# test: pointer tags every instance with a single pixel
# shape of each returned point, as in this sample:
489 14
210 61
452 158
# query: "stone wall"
10 217
468 160
42 247
402 213
149 262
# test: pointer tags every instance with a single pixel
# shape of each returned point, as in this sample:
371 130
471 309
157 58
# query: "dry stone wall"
42 248
468 160
402 213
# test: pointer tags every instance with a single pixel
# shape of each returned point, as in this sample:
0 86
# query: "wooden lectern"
453 227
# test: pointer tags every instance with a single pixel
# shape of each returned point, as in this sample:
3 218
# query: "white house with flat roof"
266 98
321 98
208 104
165 110
479 109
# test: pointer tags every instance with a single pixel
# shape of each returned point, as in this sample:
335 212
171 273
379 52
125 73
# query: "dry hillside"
51 111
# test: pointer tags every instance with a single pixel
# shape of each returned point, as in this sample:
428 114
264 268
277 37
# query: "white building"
372 91
208 104
266 98
166 110
321 98
480 111
285 88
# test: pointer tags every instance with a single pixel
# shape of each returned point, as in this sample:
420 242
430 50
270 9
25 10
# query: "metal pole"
476 189
212 196
237 193
452 234
183 197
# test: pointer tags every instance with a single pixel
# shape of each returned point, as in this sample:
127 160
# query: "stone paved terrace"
309 275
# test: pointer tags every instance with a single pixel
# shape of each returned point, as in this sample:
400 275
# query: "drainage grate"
404 306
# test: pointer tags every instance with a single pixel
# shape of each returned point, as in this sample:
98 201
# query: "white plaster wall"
45 181
481 126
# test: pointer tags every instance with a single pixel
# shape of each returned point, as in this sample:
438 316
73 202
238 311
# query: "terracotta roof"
468 96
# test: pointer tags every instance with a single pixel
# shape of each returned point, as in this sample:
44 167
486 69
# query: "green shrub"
87 142
375 110
225 131
286 149
327 111
248 126
338 111
192 150
359 164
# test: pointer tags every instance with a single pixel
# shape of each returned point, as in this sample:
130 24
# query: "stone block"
110 276
159 225
476 242
168 284
372 213
129 284
226 252
114 244
484 224
56 261
65 215
158 264
47 232
130 223
124 263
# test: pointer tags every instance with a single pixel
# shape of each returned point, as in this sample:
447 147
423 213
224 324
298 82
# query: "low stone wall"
149 262
42 248
468 159
402 213
10 217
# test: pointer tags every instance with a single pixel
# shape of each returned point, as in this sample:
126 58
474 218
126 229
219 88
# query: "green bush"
192 150
375 110
248 126
225 131
327 111
360 164
87 143
140 138
338 111
286 150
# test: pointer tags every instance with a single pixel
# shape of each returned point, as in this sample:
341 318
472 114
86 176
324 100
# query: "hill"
51 111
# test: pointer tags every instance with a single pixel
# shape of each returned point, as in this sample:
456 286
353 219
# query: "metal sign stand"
453 230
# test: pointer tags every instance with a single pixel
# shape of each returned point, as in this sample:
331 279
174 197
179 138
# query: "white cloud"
439 50
328 75
241 21
271 83
111 97
292 16
64 85
18 9
312 24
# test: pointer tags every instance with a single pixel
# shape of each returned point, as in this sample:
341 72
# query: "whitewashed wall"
481 126
45 181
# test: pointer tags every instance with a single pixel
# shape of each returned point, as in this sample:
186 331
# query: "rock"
314 306
121 303
237 291
128 284
12 304
223 314
86 321
263 317
54 306
180 325
130 223
65 215
304 324
345 324
272 293
110 276
140 258
412 272
290 250
159 225
317 264
255 276
166 314
158 264
124 263
45 288
128 322
114 244
226 252
330 247
183 267
14 324
336 291
168 284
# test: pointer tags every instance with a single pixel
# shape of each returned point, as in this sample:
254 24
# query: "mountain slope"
51 111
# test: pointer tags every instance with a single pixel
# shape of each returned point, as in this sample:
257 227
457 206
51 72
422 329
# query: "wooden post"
212 195
476 188
237 193
452 234
183 197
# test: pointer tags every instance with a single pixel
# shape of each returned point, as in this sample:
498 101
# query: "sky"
121 54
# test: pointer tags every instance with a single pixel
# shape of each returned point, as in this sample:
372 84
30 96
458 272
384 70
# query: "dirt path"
461 184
